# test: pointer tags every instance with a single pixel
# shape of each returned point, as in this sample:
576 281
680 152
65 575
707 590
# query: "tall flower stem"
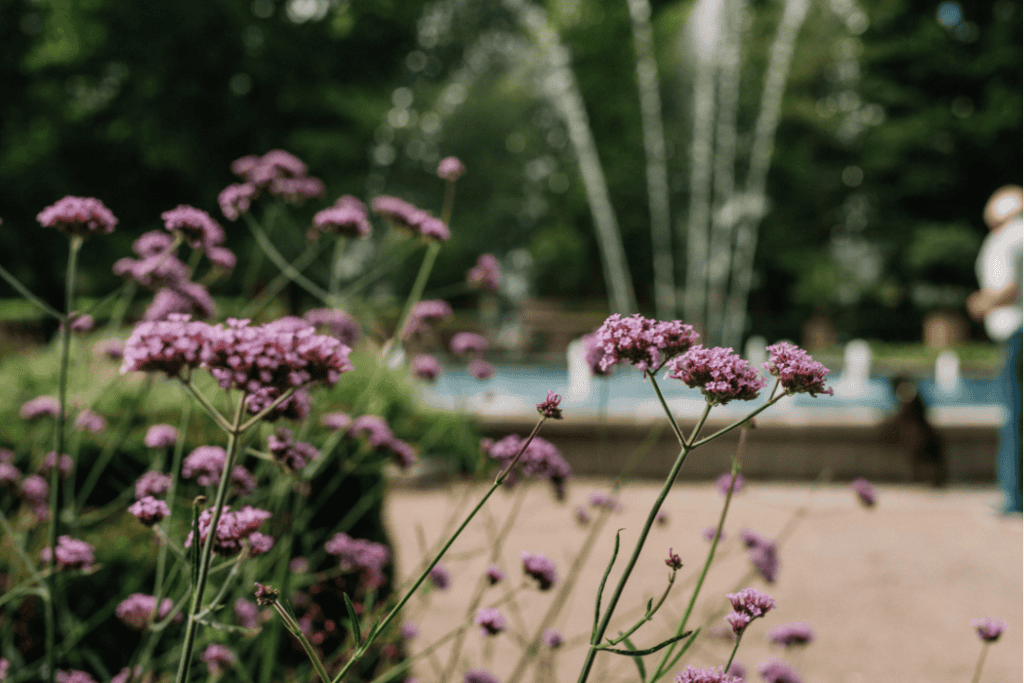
192 621
429 258
75 245
981 662
378 629
588 663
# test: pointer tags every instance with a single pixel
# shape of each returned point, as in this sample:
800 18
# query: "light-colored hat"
1005 203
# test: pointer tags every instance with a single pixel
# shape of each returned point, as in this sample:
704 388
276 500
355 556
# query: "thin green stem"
735 647
50 669
668 413
192 620
738 423
268 293
617 593
295 630
207 406
32 298
981 662
433 249
282 263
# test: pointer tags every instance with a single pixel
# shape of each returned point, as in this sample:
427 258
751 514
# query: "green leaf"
353 617
604 579
638 660
648 651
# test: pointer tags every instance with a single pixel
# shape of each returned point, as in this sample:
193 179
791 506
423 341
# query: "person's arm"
983 301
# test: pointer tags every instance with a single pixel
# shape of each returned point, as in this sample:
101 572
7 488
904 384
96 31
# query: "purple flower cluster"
747 605
160 436
552 638
41 406
989 628
404 215
37 492
494 574
235 199
195 226
88 421
217 658
423 313
247 613
796 370
865 491
491 621
264 360
539 567
440 577
468 344
78 216
604 500
152 484
74 676
711 675
337 323
360 555
549 406
593 353
409 630
149 510
277 172
138 610
336 421
65 464
719 373
708 534
425 366
541 458
71 553
205 464
450 169
485 276
112 349
789 635
724 483
646 344
480 369
674 562
763 553
478 675
380 437
294 455
348 218
775 671
233 529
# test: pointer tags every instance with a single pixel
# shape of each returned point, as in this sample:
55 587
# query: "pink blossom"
348 217
78 216
234 200
539 567
425 366
796 370
160 436
719 373
218 658
71 553
481 369
549 406
450 169
196 226
468 343
233 528
646 344
88 421
485 276
138 610
360 555
152 484
41 406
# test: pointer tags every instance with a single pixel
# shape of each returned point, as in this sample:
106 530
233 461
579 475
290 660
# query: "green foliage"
944 253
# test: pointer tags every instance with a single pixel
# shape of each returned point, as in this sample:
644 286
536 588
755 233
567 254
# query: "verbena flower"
423 313
348 217
298 565
661 518
337 323
491 621
479 676
747 604
468 343
41 406
233 528
865 491
152 484
336 421
409 630
644 343
160 270
294 455
582 516
539 567
709 675
88 421
494 574
205 465
74 676
796 370
723 482
167 346
481 369
775 671
674 561
138 610
593 353
195 226
425 366
37 492
440 577
360 555
485 276
552 638
989 628
607 501
450 169
10 476
71 553
82 322
218 658
66 464
152 243
78 216
738 670
374 428
549 406
541 459
708 534
149 510
160 436
789 635
235 200
247 613
404 215
112 349
719 373
222 257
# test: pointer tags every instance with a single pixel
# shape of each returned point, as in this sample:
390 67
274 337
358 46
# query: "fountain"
853 381
947 373
580 379
755 351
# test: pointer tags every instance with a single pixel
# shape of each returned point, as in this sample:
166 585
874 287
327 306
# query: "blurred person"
998 303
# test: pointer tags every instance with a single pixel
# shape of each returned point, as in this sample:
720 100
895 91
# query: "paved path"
889 592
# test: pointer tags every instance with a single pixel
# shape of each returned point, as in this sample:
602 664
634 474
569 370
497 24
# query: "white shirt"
999 263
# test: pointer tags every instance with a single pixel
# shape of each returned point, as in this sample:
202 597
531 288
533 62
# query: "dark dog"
918 439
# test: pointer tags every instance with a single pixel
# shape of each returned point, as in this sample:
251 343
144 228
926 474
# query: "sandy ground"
889 592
